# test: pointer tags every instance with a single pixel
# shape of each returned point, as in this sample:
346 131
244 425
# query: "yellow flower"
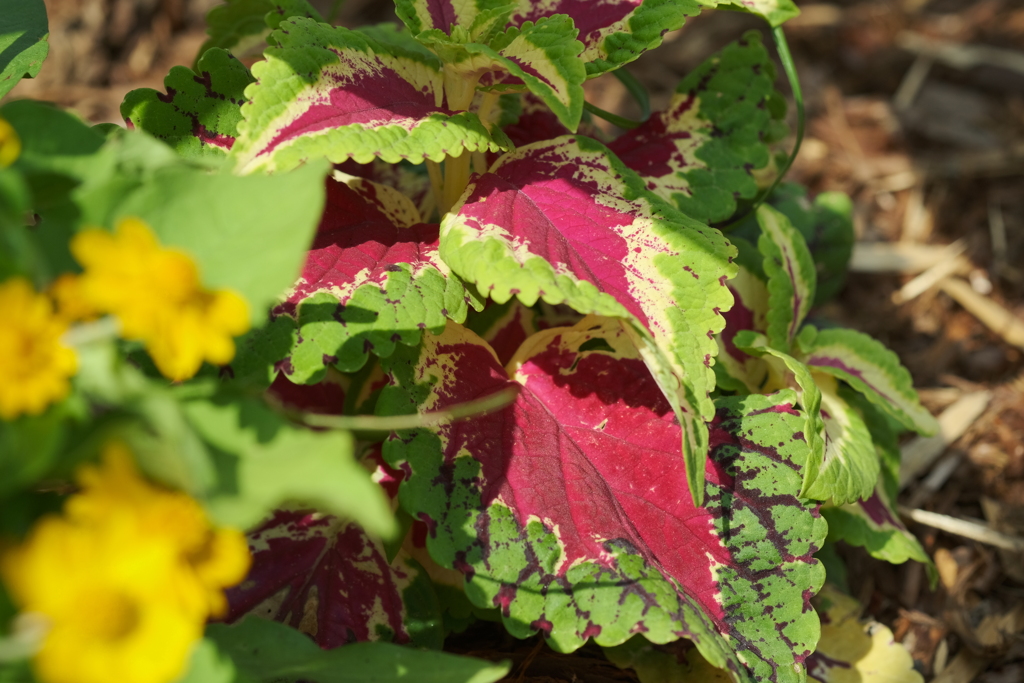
34 364
10 144
126 578
66 292
158 297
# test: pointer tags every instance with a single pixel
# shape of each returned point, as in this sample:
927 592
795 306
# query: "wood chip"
890 257
995 317
963 669
975 530
949 265
921 452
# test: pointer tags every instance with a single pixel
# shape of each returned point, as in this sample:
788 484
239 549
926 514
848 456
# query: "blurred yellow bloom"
10 144
34 364
126 578
158 297
66 292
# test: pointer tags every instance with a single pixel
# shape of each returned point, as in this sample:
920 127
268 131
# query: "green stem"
636 90
374 423
436 183
456 178
614 119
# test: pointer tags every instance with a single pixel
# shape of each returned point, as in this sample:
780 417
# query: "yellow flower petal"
34 365
10 144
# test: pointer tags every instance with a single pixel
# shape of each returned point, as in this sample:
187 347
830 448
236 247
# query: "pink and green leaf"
873 370
368 284
703 151
566 222
335 93
775 12
199 113
742 371
568 511
329 579
613 32
791 274
479 17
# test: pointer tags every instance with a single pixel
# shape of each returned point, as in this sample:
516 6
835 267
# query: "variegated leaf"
852 651
740 370
478 17
703 152
568 509
335 93
850 468
410 181
330 580
775 12
792 277
541 57
872 523
506 326
368 283
784 371
870 368
199 112
566 222
613 32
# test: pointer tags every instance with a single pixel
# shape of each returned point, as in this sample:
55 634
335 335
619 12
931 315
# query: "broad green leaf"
240 24
564 221
329 579
198 114
791 277
226 222
268 652
209 665
264 462
614 32
23 41
541 56
259 353
852 651
368 284
335 93
29 447
850 468
702 153
870 368
827 227
610 544
775 12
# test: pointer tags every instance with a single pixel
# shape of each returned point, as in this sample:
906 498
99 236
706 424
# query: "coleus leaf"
827 226
775 12
736 369
849 468
564 221
506 326
335 93
540 56
702 152
368 283
851 650
476 16
791 277
329 579
613 32
568 509
199 113
406 178
870 368
236 23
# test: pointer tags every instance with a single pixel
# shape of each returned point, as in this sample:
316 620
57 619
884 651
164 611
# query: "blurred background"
915 108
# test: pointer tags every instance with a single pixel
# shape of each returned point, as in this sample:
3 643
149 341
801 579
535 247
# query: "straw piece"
975 530
995 317
949 265
921 452
889 257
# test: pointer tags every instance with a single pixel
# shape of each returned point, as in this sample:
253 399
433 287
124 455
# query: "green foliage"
23 44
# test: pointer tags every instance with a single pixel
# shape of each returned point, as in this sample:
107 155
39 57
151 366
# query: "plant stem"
637 90
436 183
456 177
614 119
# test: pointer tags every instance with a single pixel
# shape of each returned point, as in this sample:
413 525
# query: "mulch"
915 108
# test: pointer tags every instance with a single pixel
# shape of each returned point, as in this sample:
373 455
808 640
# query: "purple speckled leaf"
569 510
327 578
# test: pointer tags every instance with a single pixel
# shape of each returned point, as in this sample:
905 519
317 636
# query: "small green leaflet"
23 41
792 277
335 93
199 113
239 25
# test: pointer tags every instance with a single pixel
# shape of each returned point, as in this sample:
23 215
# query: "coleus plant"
650 429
